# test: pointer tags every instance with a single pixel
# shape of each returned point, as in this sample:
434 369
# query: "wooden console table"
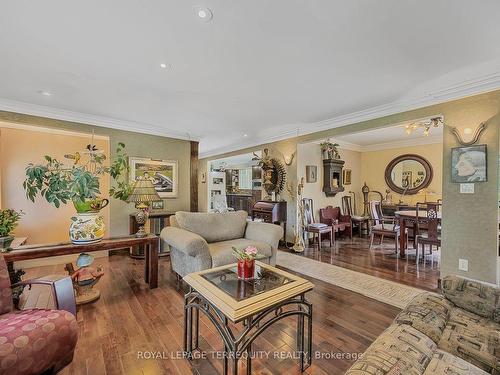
151 243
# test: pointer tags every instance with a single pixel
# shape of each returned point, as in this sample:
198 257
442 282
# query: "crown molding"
479 85
42 129
85 118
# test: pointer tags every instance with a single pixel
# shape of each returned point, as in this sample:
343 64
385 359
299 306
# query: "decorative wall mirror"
407 174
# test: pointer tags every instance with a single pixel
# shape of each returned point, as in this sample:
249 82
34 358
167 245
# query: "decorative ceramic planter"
90 205
5 243
86 228
246 269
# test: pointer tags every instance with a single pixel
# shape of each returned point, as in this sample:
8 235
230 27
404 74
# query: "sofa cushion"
214 227
443 363
473 338
427 313
401 349
473 296
33 341
222 252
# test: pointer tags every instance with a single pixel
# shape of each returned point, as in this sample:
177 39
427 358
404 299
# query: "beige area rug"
382 290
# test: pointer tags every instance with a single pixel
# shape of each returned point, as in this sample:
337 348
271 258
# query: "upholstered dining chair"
349 209
383 227
36 341
333 217
432 236
311 226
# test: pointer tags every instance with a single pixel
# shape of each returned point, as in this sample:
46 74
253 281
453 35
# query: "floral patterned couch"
457 333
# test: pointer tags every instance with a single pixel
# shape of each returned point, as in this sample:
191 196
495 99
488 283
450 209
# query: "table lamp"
143 192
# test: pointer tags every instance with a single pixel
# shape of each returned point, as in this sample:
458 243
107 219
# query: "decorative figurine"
84 278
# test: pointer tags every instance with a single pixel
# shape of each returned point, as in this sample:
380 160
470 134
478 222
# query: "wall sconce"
469 136
289 159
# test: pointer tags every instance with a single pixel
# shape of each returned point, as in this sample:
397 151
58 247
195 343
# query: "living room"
115 259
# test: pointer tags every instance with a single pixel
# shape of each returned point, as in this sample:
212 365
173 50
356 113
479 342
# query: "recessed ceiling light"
203 13
44 93
165 66
245 135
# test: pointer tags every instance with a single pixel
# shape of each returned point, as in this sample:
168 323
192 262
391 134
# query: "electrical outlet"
463 265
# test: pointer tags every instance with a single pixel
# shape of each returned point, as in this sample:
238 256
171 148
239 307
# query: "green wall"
470 221
137 144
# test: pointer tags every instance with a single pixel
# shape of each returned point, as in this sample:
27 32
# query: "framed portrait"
346 176
311 173
162 173
469 164
157 205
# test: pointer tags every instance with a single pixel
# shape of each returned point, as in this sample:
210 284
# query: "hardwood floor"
131 322
380 261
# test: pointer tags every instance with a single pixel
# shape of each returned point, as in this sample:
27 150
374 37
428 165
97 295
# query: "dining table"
408 219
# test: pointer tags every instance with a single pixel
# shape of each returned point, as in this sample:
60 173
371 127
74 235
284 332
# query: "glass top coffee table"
257 303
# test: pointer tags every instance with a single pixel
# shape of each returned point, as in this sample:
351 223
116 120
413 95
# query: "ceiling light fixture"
427 124
44 93
203 13
245 135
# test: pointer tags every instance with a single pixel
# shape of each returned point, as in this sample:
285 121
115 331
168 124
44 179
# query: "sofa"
200 241
35 341
456 333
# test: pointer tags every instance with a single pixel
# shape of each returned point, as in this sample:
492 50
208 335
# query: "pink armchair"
36 341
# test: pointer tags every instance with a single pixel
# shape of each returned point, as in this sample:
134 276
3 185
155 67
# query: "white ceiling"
268 69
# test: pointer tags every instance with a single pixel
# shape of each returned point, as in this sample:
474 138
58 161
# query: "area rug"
382 290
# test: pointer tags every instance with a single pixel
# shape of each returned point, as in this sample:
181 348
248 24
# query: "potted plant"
78 182
8 221
330 150
246 261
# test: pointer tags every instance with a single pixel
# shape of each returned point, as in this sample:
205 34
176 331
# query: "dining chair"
332 216
432 237
311 226
349 209
383 227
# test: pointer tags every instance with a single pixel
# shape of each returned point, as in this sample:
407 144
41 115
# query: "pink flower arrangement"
248 253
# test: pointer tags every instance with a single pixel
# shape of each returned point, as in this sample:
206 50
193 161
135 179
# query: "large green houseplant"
77 181
8 221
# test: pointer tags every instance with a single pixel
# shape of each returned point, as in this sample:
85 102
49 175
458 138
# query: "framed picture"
347 176
157 205
311 173
469 164
162 173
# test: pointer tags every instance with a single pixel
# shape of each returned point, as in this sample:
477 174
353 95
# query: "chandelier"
426 125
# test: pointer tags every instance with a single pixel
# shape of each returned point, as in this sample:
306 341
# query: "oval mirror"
407 174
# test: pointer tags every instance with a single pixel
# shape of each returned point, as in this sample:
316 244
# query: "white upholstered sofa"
199 241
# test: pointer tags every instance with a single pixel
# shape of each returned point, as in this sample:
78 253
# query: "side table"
270 296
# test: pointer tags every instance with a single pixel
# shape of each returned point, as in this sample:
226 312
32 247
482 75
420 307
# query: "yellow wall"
310 154
42 222
373 164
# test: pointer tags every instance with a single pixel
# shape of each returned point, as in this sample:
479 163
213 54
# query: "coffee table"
272 295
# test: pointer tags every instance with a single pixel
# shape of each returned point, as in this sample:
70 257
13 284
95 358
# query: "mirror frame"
428 173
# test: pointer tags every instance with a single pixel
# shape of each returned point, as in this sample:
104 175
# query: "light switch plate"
467 188
463 264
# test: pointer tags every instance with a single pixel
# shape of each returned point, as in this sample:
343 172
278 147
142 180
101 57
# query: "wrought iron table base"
235 347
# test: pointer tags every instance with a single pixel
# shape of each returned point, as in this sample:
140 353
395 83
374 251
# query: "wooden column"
194 177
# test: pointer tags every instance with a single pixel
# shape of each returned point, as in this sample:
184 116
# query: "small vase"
5 243
86 228
246 269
